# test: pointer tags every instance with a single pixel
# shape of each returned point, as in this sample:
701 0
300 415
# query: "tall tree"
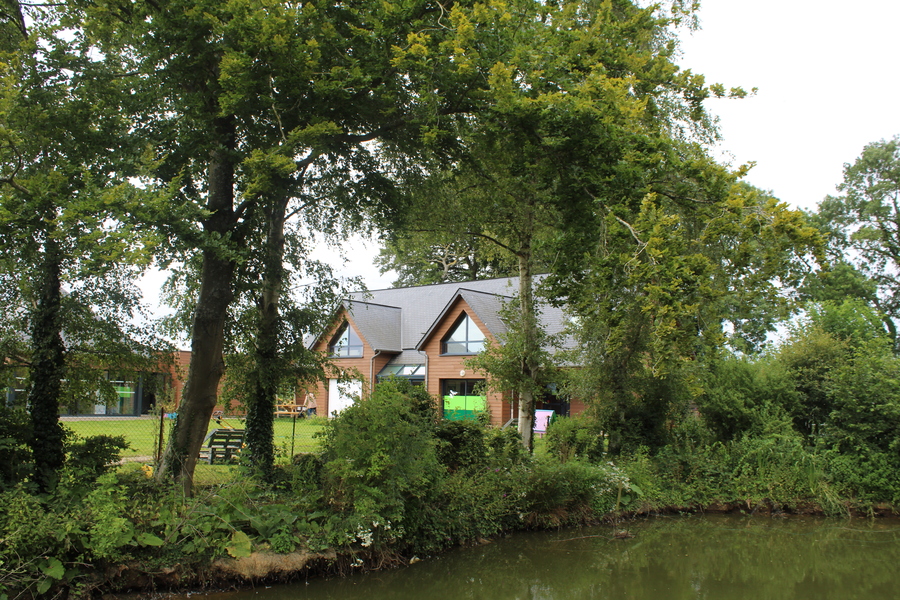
426 257
864 220
61 201
321 90
702 262
589 100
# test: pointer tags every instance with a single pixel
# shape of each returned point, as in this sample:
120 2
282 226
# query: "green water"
713 557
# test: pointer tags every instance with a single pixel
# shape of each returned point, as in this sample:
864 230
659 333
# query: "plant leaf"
148 539
240 545
54 569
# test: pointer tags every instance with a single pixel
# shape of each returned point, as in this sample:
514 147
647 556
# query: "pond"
694 557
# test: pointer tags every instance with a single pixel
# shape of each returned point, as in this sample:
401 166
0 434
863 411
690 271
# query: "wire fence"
147 436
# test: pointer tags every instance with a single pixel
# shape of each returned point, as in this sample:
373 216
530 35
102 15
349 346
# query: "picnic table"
288 409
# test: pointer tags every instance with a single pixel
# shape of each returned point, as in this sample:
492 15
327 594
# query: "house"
136 393
424 334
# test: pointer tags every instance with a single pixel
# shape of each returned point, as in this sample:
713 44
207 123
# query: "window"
346 343
462 387
414 373
462 398
464 338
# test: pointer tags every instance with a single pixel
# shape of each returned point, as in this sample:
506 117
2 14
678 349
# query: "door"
342 393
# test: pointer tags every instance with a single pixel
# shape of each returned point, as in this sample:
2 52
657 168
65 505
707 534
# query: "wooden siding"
357 367
450 366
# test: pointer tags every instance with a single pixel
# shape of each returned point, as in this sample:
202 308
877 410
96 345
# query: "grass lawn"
142 433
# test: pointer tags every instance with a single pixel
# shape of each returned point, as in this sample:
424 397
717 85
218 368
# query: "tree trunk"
200 393
47 369
261 408
529 347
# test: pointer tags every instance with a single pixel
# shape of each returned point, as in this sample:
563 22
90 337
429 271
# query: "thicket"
816 421
392 480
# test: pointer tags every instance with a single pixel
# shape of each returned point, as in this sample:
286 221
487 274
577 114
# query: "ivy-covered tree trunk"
261 406
201 390
47 368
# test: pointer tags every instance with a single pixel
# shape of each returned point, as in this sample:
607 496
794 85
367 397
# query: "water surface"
696 557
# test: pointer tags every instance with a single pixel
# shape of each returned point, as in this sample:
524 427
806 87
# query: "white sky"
826 83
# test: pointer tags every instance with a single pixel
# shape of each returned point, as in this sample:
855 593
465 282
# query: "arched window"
346 343
464 338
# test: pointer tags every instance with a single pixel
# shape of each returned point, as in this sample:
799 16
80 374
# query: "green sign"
461 408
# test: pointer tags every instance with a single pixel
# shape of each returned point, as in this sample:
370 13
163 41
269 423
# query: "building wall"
358 367
454 367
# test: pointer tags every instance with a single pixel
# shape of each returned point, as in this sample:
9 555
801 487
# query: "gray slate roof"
398 319
379 324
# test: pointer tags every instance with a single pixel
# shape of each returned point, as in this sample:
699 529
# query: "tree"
426 257
588 103
243 99
700 263
865 222
61 202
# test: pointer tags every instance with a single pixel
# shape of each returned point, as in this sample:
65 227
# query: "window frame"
469 322
334 346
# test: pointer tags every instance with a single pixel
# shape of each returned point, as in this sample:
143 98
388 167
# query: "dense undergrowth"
392 481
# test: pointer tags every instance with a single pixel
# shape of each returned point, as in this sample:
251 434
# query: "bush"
90 457
741 395
505 447
380 465
306 472
571 437
15 452
462 443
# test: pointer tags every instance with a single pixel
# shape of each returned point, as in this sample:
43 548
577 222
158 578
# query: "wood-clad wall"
454 367
357 367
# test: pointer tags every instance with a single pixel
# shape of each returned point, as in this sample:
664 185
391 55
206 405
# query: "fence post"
162 426
293 436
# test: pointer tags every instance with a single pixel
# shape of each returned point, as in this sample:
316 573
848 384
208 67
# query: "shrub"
505 447
306 472
462 443
571 437
15 453
741 395
88 458
380 465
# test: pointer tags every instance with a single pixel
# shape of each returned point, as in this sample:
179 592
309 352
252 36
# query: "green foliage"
90 457
743 395
669 286
864 219
15 453
423 258
580 436
462 443
474 503
574 492
381 462
306 472
505 446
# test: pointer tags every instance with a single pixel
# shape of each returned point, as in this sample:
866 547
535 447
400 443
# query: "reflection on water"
669 558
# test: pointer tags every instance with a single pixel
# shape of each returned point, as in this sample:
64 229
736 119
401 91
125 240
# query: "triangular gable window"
464 338
346 343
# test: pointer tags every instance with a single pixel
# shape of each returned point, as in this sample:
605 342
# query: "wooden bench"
222 445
